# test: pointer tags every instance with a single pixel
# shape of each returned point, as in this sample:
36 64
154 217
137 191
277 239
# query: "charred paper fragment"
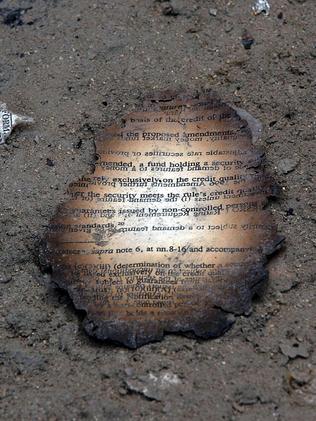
171 232
8 121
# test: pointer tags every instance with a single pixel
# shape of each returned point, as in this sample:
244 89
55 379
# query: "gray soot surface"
76 66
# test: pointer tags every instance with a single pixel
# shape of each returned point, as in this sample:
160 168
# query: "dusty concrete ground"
75 66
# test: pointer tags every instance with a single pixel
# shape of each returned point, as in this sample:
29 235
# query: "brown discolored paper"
170 233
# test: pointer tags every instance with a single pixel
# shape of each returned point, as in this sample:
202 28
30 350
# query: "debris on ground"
282 277
287 165
13 17
212 11
294 349
247 40
153 386
301 385
169 10
9 120
261 6
248 395
5 279
50 162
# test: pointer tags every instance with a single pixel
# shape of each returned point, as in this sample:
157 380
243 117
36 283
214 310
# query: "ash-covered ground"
75 66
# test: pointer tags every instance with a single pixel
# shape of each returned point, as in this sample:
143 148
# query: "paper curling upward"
170 232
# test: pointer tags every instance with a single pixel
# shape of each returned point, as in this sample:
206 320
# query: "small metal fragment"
261 6
169 11
9 120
